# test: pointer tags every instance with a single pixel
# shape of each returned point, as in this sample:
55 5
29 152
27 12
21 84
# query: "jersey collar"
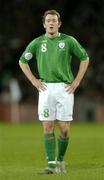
53 37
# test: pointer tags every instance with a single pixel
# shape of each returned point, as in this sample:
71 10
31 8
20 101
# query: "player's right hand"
39 84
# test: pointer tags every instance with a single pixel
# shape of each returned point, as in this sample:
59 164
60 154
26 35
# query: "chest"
53 47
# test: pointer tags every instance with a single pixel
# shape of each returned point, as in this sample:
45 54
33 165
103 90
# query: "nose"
51 23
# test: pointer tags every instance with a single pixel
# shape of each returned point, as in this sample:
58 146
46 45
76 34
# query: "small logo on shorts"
46 113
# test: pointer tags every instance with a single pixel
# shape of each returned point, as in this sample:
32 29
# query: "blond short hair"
52 12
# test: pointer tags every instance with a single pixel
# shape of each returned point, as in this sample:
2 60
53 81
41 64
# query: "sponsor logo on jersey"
44 41
62 44
28 56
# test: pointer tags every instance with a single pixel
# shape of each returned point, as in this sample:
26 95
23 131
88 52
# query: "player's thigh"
65 106
46 107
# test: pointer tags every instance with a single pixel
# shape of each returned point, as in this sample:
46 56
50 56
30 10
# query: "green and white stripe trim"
51 162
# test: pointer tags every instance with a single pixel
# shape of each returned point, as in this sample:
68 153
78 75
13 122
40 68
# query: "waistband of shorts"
56 82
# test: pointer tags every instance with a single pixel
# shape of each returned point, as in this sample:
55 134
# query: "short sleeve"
29 52
78 50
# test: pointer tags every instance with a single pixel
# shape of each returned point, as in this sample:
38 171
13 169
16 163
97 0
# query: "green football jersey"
54 57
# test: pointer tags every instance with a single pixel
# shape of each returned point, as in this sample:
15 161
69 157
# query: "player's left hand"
72 87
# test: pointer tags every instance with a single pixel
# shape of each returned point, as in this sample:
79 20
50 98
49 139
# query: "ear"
44 25
59 25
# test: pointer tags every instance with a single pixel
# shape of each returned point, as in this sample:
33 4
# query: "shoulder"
36 40
64 36
68 37
39 38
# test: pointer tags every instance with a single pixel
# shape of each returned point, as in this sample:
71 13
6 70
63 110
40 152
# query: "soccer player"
53 52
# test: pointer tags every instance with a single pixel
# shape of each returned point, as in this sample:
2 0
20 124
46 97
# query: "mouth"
51 27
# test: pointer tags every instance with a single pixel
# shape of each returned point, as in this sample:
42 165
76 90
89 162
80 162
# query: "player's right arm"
23 63
27 71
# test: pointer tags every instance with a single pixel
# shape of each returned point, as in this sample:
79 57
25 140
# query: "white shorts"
55 103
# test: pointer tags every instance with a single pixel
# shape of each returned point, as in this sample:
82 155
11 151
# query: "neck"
52 35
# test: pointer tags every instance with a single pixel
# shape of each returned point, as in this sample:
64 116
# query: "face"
51 24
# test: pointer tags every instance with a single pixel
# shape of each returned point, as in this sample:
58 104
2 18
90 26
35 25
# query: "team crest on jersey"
61 45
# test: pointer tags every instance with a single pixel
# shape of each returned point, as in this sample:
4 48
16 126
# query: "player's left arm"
82 55
82 69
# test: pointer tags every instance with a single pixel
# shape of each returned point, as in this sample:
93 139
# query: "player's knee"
48 128
64 133
64 130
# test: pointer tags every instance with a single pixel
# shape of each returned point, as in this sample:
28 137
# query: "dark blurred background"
20 23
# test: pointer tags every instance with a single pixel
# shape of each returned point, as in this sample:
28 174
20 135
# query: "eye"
48 20
54 20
